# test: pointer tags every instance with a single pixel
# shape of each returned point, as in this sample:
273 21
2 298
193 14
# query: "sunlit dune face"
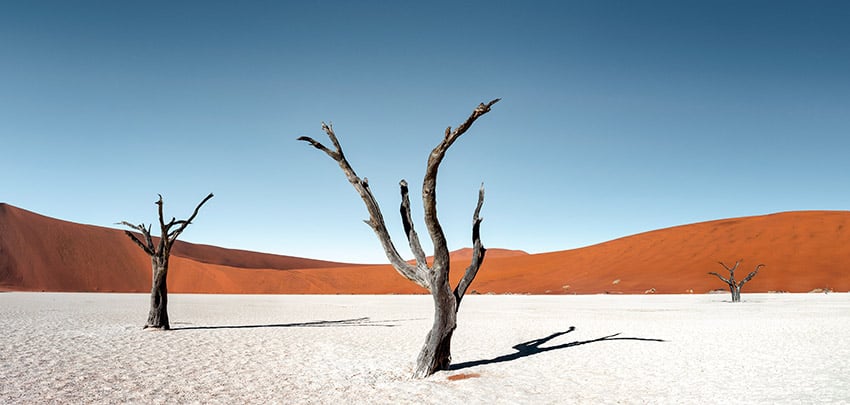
802 252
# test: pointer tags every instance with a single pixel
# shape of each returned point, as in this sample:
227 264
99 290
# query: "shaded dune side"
246 259
41 253
189 276
193 276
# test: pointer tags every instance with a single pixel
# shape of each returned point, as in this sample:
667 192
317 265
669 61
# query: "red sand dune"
802 251
41 253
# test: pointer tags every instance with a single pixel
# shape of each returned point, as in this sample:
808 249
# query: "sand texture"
593 349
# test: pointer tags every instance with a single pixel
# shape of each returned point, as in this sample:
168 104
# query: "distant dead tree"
735 287
159 253
436 353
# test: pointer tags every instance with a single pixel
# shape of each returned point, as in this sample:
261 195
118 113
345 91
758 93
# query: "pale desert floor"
90 348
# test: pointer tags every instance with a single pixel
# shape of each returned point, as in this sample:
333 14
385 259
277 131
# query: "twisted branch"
376 219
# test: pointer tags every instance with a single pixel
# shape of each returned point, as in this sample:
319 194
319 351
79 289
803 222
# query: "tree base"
435 355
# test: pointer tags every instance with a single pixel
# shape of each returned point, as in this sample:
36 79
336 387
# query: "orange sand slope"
41 253
803 251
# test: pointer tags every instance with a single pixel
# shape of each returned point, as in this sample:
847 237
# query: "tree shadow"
532 347
314 324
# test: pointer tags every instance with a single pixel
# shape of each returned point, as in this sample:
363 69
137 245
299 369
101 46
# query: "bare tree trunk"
736 293
159 253
158 315
436 353
735 287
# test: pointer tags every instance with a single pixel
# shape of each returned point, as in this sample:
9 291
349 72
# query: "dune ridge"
39 253
802 250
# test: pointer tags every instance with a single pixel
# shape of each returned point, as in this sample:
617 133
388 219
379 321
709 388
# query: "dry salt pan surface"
90 348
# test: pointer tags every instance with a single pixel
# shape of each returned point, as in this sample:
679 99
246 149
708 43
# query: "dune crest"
803 251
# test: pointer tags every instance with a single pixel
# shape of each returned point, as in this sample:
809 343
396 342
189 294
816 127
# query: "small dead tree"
436 353
735 287
159 253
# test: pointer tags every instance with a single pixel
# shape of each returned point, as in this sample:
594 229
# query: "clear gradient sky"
617 117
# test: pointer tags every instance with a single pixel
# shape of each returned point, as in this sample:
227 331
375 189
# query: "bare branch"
407 222
172 236
436 354
476 219
725 280
184 223
140 227
429 184
159 210
163 231
735 267
750 276
195 213
376 219
148 250
735 287
158 315
478 250
316 144
731 271
479 111
329 130
148 238
335 155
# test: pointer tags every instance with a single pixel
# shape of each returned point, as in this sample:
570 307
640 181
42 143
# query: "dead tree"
436 353
159 253
734 287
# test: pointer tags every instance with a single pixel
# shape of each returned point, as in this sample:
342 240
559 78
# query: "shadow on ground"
533 347
314 324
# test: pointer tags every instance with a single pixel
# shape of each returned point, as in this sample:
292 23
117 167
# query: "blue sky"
617 117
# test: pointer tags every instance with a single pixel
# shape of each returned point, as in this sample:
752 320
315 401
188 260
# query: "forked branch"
420 273
436 354
147 247
182 224
735 267
734 286
167 236
731 270
750 276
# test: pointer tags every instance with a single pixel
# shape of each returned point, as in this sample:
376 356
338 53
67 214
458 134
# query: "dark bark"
158 315
436 353
734 286
160 253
